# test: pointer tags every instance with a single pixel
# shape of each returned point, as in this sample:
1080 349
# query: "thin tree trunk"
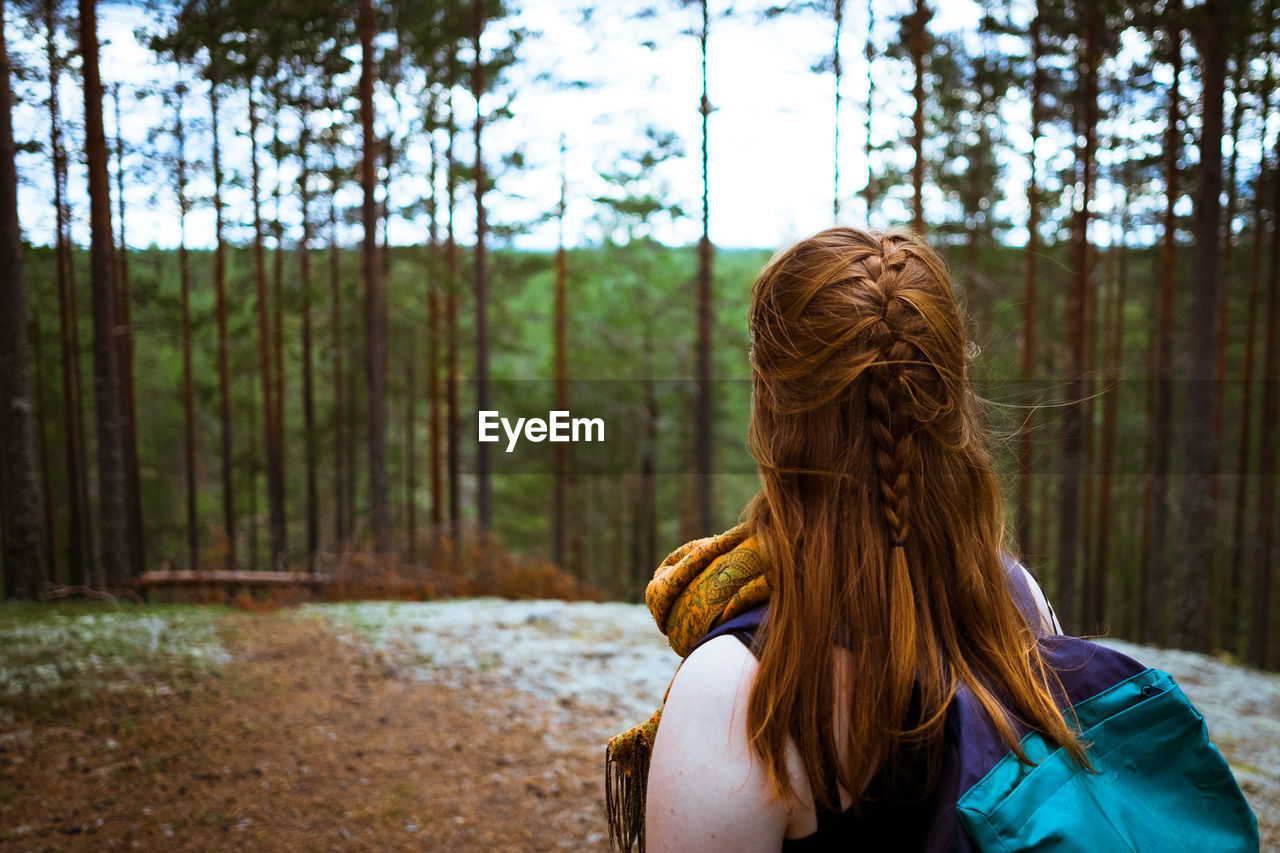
838 16
24 567
275 487
1192 606
113 513
375 325
1074 353
340 471
1259 652
1112 358
560 495
224 367
1151 627
435 452
411 456
124 340
79 529
1239 551
188 380
452 447
1026 444
49 514
919 19
484 509
705 429
277 289
869 56
308 380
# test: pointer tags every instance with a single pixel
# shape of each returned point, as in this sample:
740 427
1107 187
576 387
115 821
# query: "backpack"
1157 783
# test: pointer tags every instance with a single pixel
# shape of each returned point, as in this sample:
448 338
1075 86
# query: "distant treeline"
291 396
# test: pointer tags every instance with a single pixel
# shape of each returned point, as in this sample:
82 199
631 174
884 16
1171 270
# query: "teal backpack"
1157 784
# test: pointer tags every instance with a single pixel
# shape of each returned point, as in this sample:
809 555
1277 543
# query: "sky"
770 135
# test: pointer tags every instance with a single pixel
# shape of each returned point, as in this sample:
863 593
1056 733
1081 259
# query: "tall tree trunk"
124 340
271 436
1026 444
79 527
869 54
1151 627
24 567
1224 595
838 17
188 379
113 513
1075 351
435 452
453 413
308 380
705 428
375 322
277 291
1260 639
49 515
224 366
341 473
1239 551
484 510
411 456
919 20
1191 604
560 341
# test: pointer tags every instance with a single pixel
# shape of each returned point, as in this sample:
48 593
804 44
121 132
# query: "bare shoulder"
706 790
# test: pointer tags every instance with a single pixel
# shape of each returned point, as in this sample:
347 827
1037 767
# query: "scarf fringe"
624 794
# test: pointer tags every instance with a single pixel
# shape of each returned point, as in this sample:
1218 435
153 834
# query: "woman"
878 538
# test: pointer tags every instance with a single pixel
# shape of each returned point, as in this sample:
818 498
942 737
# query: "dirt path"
304 743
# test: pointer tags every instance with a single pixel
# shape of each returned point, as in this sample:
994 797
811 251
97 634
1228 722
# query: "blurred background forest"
344 257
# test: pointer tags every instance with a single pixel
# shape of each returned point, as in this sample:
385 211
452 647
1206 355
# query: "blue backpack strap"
743 626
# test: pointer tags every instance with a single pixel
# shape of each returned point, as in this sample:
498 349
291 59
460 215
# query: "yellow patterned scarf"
702 584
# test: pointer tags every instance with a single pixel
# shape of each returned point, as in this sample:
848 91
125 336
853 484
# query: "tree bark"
1151 625
484 509
453 436
224 367
1239 546
1259 651
838 16
1074 354
375 324
340 471
79 526
24 567
919 20
705 427
560 341
113 514
278 544
1026 444
188 379
308 379
124 342
1192 608
869 55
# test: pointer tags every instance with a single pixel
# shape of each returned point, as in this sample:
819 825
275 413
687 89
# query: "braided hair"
882 520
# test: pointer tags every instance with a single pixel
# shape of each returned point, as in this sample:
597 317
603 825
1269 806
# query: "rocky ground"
462 725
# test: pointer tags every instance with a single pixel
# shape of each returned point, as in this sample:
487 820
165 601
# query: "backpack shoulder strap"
744 626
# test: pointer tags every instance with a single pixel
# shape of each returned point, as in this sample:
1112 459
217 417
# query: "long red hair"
881 519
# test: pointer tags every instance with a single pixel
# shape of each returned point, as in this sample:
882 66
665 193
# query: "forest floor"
461 725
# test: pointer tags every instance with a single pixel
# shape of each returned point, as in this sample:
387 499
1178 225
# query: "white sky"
770 134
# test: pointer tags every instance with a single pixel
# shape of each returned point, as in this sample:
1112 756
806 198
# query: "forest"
347 255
